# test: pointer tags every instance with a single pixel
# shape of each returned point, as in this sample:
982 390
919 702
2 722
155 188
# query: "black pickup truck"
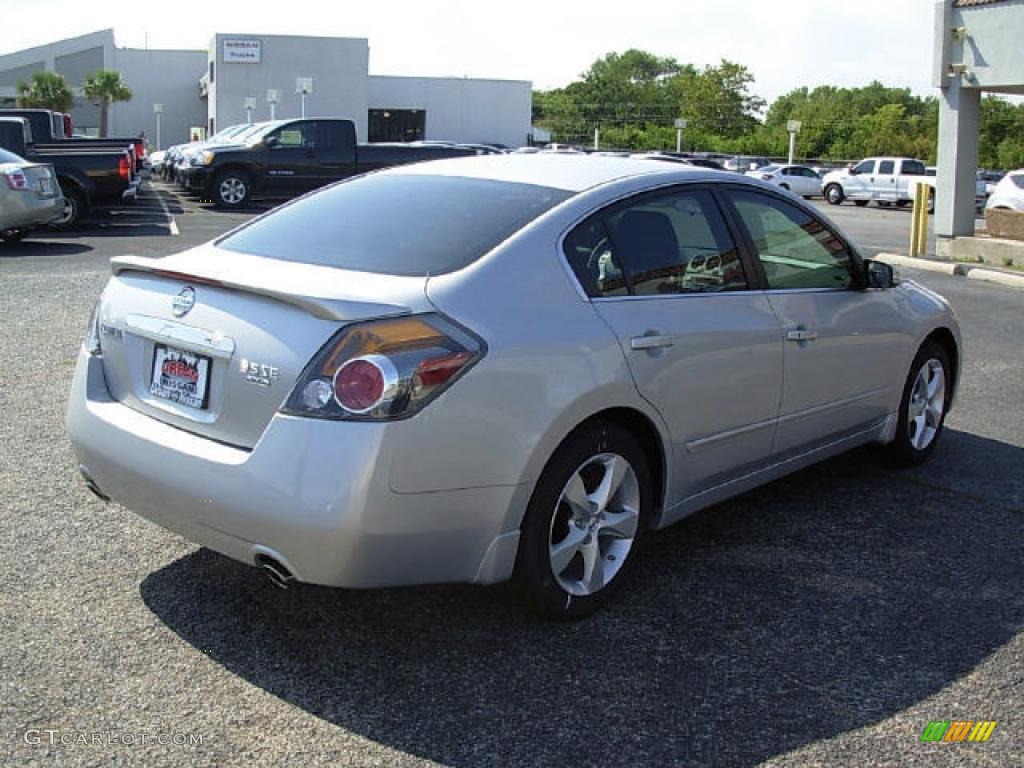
89 175
48 132
289 157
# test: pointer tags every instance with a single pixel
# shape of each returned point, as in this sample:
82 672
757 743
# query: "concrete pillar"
959 133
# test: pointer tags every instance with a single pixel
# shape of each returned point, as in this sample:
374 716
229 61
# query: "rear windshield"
9 157
397 224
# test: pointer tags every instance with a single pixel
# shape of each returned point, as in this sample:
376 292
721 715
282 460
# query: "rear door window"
666 243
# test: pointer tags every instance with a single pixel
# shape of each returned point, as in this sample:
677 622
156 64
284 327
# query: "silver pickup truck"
886 180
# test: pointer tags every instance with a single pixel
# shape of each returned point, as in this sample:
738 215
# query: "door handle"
651 341
801 334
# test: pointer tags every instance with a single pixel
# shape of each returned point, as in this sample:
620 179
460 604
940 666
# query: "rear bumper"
26 210
312 493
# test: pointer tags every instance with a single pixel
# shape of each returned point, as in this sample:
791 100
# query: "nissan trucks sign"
241 51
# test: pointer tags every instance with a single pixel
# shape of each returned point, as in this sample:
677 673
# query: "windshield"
397 224
258 132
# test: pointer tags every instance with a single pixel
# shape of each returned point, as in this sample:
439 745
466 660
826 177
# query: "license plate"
180 376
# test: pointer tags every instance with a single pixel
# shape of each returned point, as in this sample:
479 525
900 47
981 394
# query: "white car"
799 179
1009 193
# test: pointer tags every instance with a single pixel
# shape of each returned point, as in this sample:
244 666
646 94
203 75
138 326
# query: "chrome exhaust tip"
275 571
92 486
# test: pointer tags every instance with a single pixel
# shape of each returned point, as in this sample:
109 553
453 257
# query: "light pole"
303 85
272 97
250 105
158 109
793 126
680 125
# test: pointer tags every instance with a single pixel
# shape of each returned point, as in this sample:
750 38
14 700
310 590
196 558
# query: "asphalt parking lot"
823 620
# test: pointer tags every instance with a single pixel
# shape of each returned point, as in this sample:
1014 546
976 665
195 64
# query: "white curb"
945 267
992 276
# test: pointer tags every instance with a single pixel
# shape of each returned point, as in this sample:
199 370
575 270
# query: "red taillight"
384 369
359 385
124 169
16 179
437 370
140 148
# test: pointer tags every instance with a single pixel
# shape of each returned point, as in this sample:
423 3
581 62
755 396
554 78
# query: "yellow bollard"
919 221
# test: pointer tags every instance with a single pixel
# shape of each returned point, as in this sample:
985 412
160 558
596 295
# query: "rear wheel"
861 203
584 521
883 203
926 396
834 194
232 189
74 208
902 203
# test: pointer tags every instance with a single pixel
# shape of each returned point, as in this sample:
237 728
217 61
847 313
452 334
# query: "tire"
75 207
232 189
902 203
923 406
12 235
861 203
884 203
561 543
834 194
931 201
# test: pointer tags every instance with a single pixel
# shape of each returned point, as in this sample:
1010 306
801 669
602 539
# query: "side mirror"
852 171
271 142
880 274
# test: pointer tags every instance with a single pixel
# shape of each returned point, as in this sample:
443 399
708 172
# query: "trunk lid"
227 334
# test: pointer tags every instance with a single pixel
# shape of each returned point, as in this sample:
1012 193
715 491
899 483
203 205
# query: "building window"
397 124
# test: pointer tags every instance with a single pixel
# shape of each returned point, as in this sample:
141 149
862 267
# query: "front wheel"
584 521
232 189
834 194
926 396
12 235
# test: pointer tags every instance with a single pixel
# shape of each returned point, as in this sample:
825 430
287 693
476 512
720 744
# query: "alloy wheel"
232 190
927 404
594 524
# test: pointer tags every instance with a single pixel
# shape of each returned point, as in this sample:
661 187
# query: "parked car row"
87 172
284 158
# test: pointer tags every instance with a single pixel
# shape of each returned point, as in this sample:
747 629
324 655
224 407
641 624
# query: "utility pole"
272 97
303 86
793 126
250 105
158 110
680 125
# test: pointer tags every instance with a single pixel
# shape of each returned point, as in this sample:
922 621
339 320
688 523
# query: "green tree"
47 90
105 87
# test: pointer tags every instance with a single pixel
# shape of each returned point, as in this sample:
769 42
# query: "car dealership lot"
825 619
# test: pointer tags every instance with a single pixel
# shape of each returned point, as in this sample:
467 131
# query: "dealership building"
251 77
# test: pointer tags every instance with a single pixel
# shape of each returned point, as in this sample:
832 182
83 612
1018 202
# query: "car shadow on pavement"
40 245
820 604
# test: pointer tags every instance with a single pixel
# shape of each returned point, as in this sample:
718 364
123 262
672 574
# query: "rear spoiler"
325 308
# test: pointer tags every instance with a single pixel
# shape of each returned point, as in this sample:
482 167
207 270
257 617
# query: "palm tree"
47 90
106 87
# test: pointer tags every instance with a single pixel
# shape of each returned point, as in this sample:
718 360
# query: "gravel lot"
823 620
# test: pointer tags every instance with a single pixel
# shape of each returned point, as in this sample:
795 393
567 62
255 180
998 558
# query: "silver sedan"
29 196
498 367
